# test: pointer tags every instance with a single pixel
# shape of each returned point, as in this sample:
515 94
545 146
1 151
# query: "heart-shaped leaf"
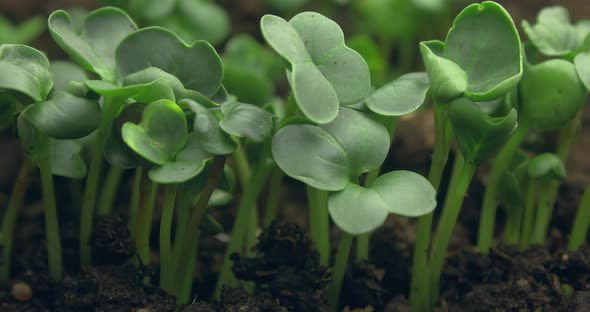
189 162
197 66
582 62
547 166
406 193
67 160
551 94
66 116
401 96
63 73
485 44
479 136
324 72
94 46
554 35
247 121
161 134
357 210
364 140
25 70
206 128
311 155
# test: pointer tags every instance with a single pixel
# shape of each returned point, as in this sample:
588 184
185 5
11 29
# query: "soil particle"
111 241
21 291
287 268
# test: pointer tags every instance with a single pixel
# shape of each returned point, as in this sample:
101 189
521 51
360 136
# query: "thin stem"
490 200
512 226
274 195
319 222
23 180
165 237
548 194
51 222
363 242
241 224
339 270
188 249
89 201
134 204
419 288
581 222
109 191
529 215
445 226
143 226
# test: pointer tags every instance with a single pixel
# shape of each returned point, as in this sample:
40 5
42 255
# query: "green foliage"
323 73
401 96
547 166
582 62
481 58
555 35
24 33
246 121
25 70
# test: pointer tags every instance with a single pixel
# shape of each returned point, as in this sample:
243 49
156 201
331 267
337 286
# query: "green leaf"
207 20
66 116
513 184
401 96
197 66
146 93
554 35
447 80
582 62
189 162
63 73
406 193
24 33
161 134
547 166
357 210
206 128
364 140
118 154
479 136
311 155
324 72
25 70
94 46
485 44
152 9
246 85
247 121
370 51
551 94
67 160
34 143
9 107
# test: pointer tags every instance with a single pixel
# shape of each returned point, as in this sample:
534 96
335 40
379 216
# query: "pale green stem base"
319 222
340 266
166 268
581 222
109 192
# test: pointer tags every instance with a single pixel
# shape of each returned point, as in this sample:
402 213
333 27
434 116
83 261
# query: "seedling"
24 33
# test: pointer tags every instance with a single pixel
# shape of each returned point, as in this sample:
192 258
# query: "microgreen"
23 33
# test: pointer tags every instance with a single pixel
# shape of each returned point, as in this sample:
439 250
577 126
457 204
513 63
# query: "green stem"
445 227
143 226
51 222
512 226
242 223
548 194
340 265
581 222
274 195
165 237
134 204
529 215
363 243
490 200
319 222
188 246
109 191
23 180
89 201
419 287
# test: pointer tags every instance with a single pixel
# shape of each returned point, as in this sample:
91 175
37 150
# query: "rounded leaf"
25 70
406 193
401 96
64 72
582 62
357 210
547 166
161 134
484 42
94 47
67 160
205 20
310 154
551 94
364 140
197 66
206 128
247 121
146 93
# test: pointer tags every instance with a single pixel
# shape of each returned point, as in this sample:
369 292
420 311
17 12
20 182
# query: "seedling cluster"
196 127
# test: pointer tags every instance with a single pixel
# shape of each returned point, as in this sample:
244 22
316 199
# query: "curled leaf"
547 166
25 70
